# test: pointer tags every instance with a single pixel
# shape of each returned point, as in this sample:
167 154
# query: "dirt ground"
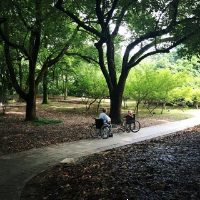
165 168
18 135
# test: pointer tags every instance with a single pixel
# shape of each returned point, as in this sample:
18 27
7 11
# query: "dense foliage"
48 40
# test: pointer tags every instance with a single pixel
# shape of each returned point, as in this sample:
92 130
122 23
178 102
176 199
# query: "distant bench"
4 107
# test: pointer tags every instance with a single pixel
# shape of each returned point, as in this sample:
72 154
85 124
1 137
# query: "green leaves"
39 121
162 85
90 83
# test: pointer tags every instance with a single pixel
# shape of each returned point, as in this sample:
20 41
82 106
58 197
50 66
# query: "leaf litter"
17 135
162 168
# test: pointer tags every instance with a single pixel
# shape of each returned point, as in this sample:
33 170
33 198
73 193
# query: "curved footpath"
16 169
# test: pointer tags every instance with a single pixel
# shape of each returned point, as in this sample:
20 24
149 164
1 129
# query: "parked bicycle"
99 129
130 124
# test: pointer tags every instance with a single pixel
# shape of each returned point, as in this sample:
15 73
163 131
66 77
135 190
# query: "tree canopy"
40 33
36 34
154 27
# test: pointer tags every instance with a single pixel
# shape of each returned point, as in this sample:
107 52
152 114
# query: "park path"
16 169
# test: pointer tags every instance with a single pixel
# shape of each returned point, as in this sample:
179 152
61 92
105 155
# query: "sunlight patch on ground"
14 112
164 121
54 106
195 113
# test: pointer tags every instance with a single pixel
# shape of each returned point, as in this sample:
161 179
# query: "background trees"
154 27
164 79
90 85
35 34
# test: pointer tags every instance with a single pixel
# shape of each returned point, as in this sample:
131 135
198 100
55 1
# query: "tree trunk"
65 93
20 77
137 107
31 98
3 92
196 104
99 102
115 106
31 108
163 107
57 80
116 98
45 89
65 88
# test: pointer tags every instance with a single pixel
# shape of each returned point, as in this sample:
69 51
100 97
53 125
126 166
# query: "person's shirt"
104 117
129 118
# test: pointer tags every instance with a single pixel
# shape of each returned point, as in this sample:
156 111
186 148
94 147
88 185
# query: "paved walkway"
16 169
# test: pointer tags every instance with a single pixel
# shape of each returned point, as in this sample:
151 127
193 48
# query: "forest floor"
17 135
166 168
163 168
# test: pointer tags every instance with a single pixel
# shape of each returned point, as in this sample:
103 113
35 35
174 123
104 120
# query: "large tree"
39 34
154 26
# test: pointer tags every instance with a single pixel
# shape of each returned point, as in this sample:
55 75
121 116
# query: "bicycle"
99 129
130 125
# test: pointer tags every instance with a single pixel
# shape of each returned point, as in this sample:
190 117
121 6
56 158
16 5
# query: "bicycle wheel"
93 131
135 126
105 131
128 128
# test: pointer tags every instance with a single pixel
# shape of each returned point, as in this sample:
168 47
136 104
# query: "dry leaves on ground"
17 135
163 168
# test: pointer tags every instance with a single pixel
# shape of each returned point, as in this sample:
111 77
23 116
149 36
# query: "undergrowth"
39 121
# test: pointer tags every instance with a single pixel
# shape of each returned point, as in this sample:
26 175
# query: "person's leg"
110 131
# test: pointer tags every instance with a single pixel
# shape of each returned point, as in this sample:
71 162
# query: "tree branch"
153 34
15 46
103 68
11 68
119 19
100 15
111 12
48 63
174 6
61 54
132 64
22 19
87 58
77 20
37 31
